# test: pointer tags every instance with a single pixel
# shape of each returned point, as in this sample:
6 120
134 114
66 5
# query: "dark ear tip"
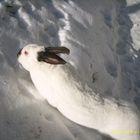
68 51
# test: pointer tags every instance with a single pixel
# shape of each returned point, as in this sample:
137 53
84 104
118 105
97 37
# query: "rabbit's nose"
19 53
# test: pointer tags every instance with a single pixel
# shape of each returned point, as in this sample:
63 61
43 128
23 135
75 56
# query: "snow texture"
103 36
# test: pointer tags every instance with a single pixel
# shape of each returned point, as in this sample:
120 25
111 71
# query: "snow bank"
104 50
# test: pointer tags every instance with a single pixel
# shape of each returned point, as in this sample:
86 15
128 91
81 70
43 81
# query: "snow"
103 37
134 14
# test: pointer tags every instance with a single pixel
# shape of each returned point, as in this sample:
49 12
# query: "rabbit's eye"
26 53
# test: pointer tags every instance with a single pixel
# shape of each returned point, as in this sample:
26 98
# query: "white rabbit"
60 84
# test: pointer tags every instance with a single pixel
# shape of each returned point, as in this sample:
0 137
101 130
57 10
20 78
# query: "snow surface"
103 36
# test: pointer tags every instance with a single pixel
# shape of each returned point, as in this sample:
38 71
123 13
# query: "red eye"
25 52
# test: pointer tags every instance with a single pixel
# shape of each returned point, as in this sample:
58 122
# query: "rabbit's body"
64 89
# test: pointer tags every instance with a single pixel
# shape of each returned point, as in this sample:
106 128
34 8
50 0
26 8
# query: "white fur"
62 87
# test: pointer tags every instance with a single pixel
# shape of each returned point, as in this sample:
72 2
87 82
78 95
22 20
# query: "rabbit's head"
32 55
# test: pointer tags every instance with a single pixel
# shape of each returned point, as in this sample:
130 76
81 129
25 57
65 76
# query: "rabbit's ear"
51 58
57 50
